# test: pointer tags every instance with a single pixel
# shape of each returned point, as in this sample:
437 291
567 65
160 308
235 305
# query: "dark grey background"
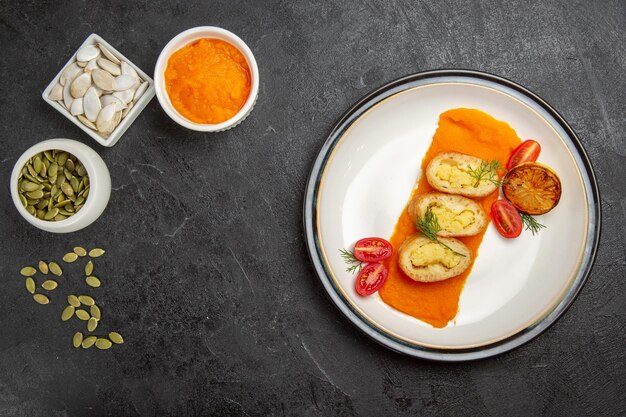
206 272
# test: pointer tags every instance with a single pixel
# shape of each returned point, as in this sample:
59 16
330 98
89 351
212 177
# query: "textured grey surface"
206 272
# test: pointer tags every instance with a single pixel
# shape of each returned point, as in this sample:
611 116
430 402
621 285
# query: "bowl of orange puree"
207 79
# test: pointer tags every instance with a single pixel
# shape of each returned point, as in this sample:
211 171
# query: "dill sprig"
531 223
487 171
429 226
354 265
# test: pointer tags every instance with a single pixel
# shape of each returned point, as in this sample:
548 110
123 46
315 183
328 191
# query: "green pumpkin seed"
92 324
30 285
30 186
35 194
69 164
55 269
93 281
40 214
37 165
24 201
41 299
82 314
31 210
116 338
66 188
89 268
89 341
49 285
60 217
62 158
86 300
64 212
51 214
80 170
70 257
42 204
77 339
68 312
74 184
103 343
48 156
80 251
79 200
67 174
95 312
28 271
96 253
43 267
73 300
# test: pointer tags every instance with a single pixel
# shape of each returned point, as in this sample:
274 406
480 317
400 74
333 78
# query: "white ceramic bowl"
186 38
99 182
126 121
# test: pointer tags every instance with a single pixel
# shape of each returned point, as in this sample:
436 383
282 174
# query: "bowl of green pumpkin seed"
60 185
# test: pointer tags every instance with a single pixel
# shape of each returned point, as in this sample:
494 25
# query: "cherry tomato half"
506 218
527 151
372 249
371 278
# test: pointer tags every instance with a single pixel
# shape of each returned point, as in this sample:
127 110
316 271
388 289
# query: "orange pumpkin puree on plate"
467 131
208 81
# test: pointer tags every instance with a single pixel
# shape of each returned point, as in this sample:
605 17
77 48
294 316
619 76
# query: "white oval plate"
363 178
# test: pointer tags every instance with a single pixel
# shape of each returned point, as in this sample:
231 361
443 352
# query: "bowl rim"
68 145
198 33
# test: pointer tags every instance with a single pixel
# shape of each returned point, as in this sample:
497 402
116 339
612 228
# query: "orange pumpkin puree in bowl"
467 131
208 81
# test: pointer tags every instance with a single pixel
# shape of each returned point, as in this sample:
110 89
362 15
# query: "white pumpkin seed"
109 66
127 69
112 99
87 53
124 82
77 107
127 109
140 90
108 54
91 65
103 79
87 122
69 73
67 96
106 118
91 104
80 85
56 93
126 96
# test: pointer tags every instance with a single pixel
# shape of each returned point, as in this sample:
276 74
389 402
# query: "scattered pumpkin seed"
67 313
73 301
43 267
89 341
103 343
95 312
30 285
41 299
28 271
116 338
70 257
89 268
49 285
55 269
86 300
82 314
96 253
77 339
80 251
92 324
93 281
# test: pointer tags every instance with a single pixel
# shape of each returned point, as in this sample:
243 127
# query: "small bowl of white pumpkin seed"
60 185
100 91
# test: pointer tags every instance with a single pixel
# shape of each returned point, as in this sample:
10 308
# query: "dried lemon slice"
532 188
